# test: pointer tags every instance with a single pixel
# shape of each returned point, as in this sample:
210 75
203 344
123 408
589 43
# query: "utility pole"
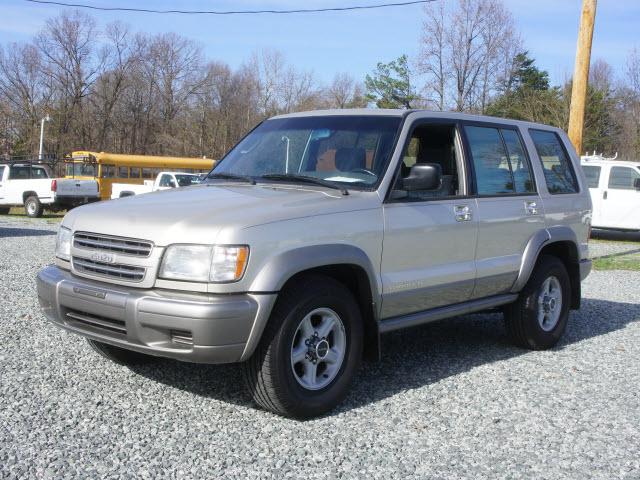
41 153
581 73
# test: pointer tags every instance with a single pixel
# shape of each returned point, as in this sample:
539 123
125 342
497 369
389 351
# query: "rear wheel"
120 355
539 317
33 207
310 350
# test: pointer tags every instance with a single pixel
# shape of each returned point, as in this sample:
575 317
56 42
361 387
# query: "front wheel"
33 207
539 317
310 350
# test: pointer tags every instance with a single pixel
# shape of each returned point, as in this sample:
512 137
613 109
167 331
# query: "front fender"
280 268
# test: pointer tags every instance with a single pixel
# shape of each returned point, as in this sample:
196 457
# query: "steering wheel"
364 170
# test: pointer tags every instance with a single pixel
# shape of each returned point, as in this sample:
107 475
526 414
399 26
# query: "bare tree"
465 47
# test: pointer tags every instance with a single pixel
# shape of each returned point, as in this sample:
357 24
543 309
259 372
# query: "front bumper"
193 327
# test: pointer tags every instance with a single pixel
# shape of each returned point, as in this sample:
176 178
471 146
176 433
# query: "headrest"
348 159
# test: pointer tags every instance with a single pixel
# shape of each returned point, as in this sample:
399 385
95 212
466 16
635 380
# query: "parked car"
615 192
30 185
277 260
163 181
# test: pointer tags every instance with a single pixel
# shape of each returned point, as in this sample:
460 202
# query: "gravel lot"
449 400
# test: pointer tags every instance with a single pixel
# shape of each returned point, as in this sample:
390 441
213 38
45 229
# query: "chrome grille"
123 246
113 270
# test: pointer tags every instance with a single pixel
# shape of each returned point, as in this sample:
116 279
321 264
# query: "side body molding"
536 243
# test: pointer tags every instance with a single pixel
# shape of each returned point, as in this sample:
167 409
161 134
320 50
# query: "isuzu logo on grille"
103 257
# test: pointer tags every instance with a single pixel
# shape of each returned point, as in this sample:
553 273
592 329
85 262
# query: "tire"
33 207
120 355
277 379
4 210
538 318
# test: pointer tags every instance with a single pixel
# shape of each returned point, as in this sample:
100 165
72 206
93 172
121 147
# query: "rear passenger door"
509 208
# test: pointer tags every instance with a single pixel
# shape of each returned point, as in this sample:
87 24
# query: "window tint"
592 173
123 172
522 176
558 172
623 178
490 161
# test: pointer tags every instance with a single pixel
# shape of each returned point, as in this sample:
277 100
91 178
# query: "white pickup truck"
164 181
31 186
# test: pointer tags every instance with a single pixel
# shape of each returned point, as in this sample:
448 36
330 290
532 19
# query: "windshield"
349 150
78 169
186 180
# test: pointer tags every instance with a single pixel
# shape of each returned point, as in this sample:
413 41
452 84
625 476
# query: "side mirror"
636 183
423 176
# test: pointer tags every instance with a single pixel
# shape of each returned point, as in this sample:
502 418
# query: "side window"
558 171
490 161
623 178
123 172
147 173
134 172
108 171
592 172
431 143
520 166
37 172
165 180
1 172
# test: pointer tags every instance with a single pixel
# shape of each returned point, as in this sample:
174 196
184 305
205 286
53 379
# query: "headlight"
202 263
63 244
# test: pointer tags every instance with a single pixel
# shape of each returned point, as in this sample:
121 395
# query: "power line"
233 12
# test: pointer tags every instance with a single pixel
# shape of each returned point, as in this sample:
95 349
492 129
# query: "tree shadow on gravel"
411 358
24 232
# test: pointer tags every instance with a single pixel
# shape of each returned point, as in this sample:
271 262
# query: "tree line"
113 89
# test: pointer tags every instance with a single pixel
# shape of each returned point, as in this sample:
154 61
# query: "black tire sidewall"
312 402
535 335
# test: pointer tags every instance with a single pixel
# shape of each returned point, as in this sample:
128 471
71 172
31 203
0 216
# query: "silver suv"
319 232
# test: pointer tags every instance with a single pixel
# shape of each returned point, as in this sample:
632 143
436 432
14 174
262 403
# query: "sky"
352 42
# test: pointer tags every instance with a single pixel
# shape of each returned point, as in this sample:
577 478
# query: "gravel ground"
449 400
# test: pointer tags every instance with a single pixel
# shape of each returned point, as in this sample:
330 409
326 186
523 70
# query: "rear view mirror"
636 183
423 176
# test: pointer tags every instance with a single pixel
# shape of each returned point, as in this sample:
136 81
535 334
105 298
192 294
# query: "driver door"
430 237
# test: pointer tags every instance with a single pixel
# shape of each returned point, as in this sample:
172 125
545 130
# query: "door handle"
462 213
604 195
531 207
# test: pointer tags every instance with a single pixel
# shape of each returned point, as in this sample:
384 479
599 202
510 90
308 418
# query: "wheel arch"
28 194
560 242
346 264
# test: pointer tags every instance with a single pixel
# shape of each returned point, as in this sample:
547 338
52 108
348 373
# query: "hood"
197 214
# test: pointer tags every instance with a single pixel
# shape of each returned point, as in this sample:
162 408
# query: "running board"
419 318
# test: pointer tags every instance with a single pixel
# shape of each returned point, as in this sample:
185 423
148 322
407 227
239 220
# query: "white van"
615 192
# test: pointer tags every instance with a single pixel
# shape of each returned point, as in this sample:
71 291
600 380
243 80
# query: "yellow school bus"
107 168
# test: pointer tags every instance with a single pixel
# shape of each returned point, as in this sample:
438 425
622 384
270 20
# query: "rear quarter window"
556 164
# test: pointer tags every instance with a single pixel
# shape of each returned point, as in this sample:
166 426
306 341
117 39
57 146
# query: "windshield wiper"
233 176
304 178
